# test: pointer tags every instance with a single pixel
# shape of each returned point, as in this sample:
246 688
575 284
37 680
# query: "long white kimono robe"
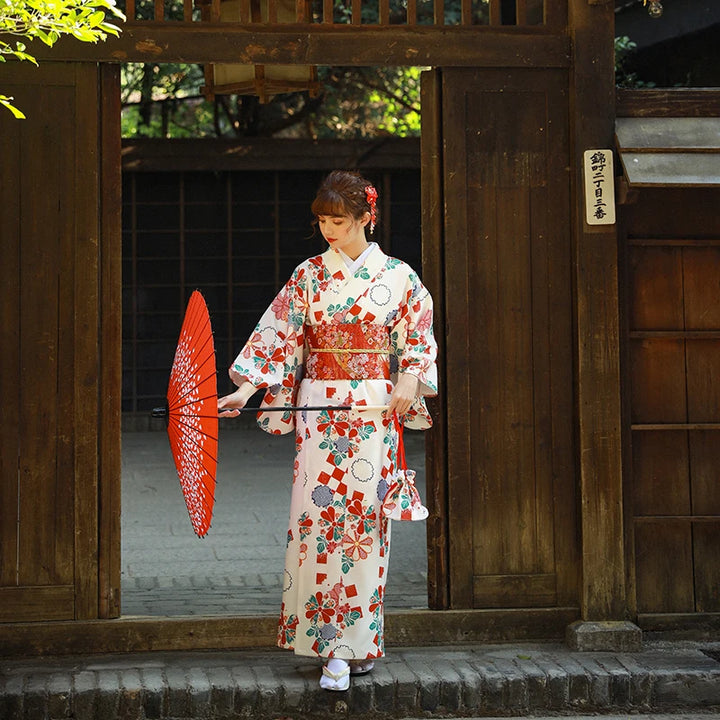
338 540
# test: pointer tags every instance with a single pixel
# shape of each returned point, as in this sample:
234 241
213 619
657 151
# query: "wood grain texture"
45 528
45 603
701 285
664 566
321 44
434 279
673 357
706 550
511 477
655 293
407 629
657 375
705 461
145 154
10 222
109 445
458 352
86 306
675 102
53 261
592 98
660 473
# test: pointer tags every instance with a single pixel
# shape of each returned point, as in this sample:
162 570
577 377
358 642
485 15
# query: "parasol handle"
300 408
162 412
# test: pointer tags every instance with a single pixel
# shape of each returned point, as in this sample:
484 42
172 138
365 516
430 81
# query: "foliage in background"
624 48
165 101
47 20
366 102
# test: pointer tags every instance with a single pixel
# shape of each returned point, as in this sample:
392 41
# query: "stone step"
479 680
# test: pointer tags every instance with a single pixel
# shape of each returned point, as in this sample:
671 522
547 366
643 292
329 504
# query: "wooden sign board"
599 187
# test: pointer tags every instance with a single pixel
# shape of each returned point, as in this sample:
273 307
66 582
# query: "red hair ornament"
371 195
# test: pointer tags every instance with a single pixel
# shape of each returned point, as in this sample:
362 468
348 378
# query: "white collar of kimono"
353 265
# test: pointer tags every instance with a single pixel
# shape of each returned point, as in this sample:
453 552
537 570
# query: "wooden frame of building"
528 528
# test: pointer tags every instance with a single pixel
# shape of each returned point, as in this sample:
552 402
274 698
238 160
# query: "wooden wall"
671 249
59 429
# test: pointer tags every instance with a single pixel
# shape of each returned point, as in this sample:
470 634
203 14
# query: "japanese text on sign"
599 187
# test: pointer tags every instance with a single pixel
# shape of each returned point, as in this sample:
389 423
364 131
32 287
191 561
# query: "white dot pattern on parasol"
192 414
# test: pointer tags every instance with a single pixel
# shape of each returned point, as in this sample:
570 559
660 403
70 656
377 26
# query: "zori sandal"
361 667
339 681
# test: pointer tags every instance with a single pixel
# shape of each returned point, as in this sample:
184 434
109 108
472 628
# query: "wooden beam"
675 102
592 103
152 634
685 626
320 44
212 154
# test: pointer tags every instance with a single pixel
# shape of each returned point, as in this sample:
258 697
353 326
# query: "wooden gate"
507 330
59 198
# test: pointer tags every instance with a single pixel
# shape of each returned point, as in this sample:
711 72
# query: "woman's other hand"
228 406
404 394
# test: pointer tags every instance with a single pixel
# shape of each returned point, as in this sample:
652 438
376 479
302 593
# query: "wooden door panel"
26 603
673 312
509 339
664 566
706 551
656 288
703 388
660 473
515 590
37 575
507 457
705 463
657 376
45 508
50 309
701 283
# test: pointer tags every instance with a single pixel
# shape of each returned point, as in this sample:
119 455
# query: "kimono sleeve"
415 347
273 356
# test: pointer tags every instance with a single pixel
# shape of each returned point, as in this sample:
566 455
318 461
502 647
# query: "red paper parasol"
192 415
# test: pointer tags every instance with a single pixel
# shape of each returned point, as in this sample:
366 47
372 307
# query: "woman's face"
344 232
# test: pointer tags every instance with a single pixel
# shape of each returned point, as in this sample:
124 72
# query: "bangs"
330 203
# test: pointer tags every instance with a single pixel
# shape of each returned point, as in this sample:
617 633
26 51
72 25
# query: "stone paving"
237 568
480 680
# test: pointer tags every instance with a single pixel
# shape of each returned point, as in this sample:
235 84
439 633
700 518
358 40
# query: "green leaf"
86 35
5 102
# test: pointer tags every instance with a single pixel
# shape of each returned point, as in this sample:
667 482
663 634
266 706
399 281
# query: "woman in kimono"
351 326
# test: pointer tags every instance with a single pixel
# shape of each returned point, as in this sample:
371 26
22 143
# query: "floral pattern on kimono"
338 540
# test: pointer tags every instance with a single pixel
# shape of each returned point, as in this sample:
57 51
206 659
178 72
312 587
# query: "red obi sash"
348 351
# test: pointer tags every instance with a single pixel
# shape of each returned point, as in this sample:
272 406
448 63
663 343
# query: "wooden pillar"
592 108
110 344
